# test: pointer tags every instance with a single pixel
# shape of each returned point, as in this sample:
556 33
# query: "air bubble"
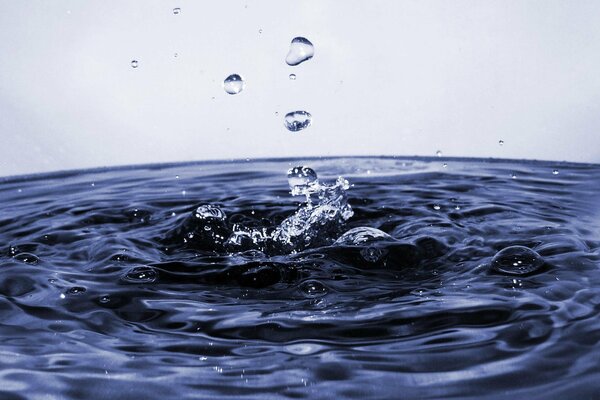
517 260
233 84
313 288
297 120
301 49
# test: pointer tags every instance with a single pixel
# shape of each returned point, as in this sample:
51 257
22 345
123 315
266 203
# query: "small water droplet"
501 142
436 207
438 153
233 84
104 299
175 55
457 208
514 176
301 49
134 63
297 120
260 31
445 165
555 172
176 10
293 77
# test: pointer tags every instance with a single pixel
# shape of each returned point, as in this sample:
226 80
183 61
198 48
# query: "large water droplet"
297 120
300 179
301 49
134 63
517 260
233 84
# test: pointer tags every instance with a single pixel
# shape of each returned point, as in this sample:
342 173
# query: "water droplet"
141 275
436 207
514 176
297 120
104 299
555 172
233 84
176 10
438 153
301 49
293 77
134 63
501 142
175 55
76 290
260 31
517 260
445 165
313 288
300 178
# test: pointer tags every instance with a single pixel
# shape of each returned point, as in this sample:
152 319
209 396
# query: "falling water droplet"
233 84
301 49
501 142
293 77
134 63
555 172
176 10
297 120
438 153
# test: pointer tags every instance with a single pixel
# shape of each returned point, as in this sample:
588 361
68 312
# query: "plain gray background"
388 77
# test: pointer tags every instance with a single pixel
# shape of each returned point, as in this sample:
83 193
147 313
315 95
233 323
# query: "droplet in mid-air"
299 178
501 142
438 153
293 77
517 260
233 84
176 10
297 120
301 49
134 63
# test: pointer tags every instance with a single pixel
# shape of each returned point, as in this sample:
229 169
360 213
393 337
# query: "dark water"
101 298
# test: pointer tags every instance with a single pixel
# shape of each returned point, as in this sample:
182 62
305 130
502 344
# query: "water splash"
301 49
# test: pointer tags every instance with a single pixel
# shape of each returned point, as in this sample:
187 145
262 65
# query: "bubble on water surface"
76 290
300 178
313 288
301 49
297 120
134 63
141 275
517 260
27 258
234 84
361 235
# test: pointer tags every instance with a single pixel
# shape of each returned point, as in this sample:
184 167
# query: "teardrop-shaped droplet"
233 84
517 260
301 49
297 120
300 178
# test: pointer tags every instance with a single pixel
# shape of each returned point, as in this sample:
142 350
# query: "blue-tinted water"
104 293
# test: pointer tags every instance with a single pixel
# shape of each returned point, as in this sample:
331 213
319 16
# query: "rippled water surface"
112 287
